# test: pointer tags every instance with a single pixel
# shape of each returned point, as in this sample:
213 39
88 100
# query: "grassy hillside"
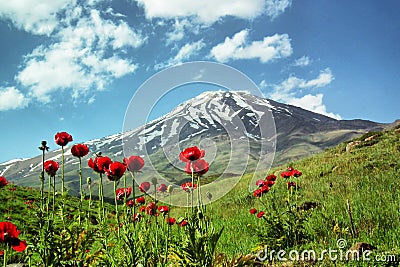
348 195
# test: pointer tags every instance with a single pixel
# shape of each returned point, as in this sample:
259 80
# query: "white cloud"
37 17
183 54
178 31
276 7
11 98
203 11
302 62
289 90
270 48
85 56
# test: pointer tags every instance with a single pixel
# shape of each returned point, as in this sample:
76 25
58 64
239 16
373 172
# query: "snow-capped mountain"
219 121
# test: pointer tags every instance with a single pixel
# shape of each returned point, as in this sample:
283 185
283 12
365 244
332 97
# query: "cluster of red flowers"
264 185
3 181
153 210
193 157
291 173
9 235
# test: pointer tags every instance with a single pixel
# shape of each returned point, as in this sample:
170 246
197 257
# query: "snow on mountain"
222 115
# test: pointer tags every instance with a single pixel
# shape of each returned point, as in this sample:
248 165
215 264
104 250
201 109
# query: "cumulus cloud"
11 98
238 47
291 91
203 11
302 61
85 56
183 54
33 16
276 7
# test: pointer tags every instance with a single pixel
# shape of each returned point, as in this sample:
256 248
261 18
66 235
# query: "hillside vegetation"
351 195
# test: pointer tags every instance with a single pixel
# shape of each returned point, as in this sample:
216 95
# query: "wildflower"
51 167
253 211
163 209
115 171
142 209
120 192
130 203
265 189
297 173
286 174
134 163
257 193
198 167
260 214
291 184
151 208
191 154
183 223
79 150
162 188
9 234
144 187
3 181
260 183
140 200
62 139
99 164
271 177
270 183
171 221
188 186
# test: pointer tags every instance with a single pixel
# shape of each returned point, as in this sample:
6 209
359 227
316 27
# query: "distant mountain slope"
217 121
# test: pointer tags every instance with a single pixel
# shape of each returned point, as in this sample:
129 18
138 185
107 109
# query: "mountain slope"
225 123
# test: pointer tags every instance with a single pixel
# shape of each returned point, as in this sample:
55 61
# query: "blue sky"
73 65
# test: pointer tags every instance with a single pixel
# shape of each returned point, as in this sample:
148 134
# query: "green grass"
367 178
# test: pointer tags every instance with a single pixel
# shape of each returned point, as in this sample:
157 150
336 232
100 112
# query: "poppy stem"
101 204
80 188
116 205
192 189
62 170
133 194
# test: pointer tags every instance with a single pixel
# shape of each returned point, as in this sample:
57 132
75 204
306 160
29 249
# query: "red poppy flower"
163 209
297 173
144 187
183 223
257 193
79 150
140 200
142 209
271 177
260 183
151 208
63 138
200 167
162 188
130 203
191 154
270 183
51 167
265 189
99 164
188 186
3 181
253 211
134 163
260 214
286 174
9 234
171 221
120 192
115 171
291 184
